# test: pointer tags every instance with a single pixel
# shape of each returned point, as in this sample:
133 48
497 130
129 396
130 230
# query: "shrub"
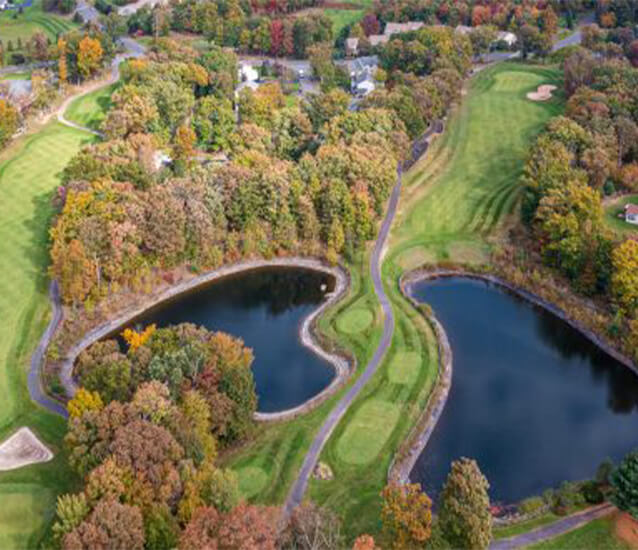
532 505
591 492
609 188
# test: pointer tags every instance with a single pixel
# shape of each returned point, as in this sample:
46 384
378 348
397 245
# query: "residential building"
631 213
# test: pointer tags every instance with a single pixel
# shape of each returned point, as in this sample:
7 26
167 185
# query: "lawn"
342 18
90 109
458 199
598 534
28 177
32 20
618 225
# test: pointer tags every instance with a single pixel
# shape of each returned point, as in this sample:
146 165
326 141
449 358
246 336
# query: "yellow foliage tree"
624 279
407 515
136 339
84 400
63 72
90 54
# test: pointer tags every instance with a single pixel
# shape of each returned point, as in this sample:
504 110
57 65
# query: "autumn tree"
243 527
110 525
72 269
63 71
407 515
364 542
8 121
90 55
624 280
312 528
83 401
70 513
464 513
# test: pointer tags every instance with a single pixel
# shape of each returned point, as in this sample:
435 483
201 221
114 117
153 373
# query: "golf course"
29 171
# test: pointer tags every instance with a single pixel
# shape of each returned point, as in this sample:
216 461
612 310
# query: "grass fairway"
32 20
618 225
458 197
598 534
90 110
28 177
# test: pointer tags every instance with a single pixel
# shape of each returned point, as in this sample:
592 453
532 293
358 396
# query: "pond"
532 400
265 308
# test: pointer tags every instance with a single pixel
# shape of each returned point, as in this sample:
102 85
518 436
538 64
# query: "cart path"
300 485
554 529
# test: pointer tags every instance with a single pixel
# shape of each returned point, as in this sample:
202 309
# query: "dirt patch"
542 93
627 529
21 449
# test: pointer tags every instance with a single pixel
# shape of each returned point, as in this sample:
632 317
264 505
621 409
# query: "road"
34 379
553 529
300 485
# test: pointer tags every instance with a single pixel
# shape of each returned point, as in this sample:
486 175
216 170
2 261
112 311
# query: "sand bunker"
23 448
543 93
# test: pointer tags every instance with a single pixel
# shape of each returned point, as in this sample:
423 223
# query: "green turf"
90 110
33 19
343 18
355 321
252 481
618 225
29 172
404 367
599 535
367 432
15 76
458 198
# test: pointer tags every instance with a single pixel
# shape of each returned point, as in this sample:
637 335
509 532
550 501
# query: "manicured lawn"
33 19
457 200
90 110
619 225
28 177
342 18
15 76
598 534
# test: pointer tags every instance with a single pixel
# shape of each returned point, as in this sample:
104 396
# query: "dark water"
264 307
532 400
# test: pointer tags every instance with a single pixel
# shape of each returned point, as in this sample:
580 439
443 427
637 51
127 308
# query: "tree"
8 121
244 527
71 268
90 55
624 481
312 528
136 339
482 38
624 279
464 513
63 71
364 542
407 515
111 525
39 46
70 512
83 401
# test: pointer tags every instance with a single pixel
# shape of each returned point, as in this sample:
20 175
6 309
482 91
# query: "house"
508 37
352 46
378 39
631 213
397 28
362 71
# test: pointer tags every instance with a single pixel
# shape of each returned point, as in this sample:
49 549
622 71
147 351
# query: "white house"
508 37
631 213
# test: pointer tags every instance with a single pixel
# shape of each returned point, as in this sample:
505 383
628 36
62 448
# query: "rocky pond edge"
417 440
308 331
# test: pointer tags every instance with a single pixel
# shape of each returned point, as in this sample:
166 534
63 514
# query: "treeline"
309 179
504 14
144 433
590 152
231 24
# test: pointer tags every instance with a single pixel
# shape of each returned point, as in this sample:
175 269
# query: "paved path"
133 49
553 529
298 490
34 380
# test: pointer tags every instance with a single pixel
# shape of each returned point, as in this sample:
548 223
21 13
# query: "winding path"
553 530
300 485
34 379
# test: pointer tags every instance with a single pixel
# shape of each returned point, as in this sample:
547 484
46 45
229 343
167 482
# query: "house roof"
631 209
394 28
376 39
352 43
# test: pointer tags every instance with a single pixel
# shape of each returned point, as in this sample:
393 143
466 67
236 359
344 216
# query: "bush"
567 497
609 188
532 505
591 492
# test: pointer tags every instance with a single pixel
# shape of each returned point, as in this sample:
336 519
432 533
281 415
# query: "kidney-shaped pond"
265 307
532 400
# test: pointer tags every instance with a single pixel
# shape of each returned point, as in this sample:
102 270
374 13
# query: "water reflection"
264 307
532 399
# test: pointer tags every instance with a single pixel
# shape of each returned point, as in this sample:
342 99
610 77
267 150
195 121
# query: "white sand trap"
543 93
21 449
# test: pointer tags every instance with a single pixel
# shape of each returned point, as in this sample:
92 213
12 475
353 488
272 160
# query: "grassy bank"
14 25
598 534
90 109
28 177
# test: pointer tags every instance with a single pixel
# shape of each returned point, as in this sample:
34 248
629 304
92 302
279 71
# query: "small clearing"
21 449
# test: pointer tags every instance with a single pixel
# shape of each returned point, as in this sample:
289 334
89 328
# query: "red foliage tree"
276 37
